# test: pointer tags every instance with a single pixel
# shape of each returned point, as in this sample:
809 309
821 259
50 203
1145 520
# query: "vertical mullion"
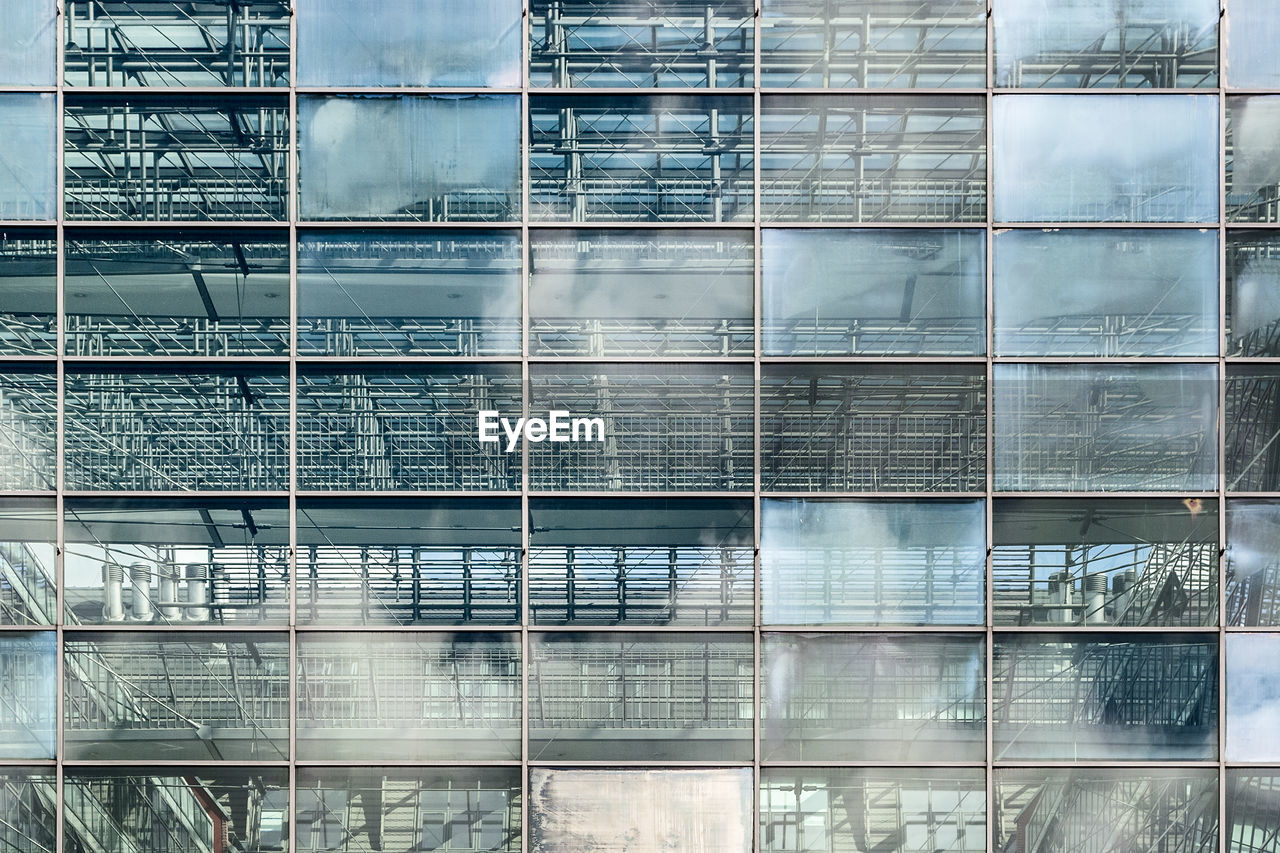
59 427
757 300
526 392
293 214
1223 828
989 511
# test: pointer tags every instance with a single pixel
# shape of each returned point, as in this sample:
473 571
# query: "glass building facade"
936 349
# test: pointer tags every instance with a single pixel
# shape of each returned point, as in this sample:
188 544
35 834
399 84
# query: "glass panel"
28 54
392 808
28 692
435 158
1253 293
371 561
886 697
28 823
656 561
409 43
28 561
382 429
1105 562
28 420
408 696
1253 563
1253 697
641 293
619 696
206 293
1106 810
1107 44
873 44
222 696
835 428
1251 452
1253 176
825 562
1110 697
177 156
613 811
173 562
159 430
172 43
658 427
641 43
894 811
173 810
1253 810
874 292
1106 158
640 158
28 159
873 158
1112 292
1103 427
28 292
400 293
1252 31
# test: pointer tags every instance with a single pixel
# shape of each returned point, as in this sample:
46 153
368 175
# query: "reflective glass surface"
28 560
1253 171
1253 809
1105 158
1251 33
1253 293
28 694
28 159
28 51
28 292
1253 562
28 420
1253 697
28 796
1252 454
1106 292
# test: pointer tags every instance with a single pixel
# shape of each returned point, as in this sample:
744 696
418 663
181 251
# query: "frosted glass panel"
1252 33
28 55
28 162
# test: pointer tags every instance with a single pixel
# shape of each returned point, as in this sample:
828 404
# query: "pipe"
140 578
197 592
169 593
1095 599
113 592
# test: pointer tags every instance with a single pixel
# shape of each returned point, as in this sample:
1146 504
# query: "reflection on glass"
887 697
873 158
1150 427
176 695
1107 44
398 293
1253 563
1105 562
1253 159
872 44
220 293
1253 697
28 420
1111 292
825 562
409 43
28 158
176 561
1106 810
641 561
873 292
1106 158
28 823
870 428
641 293
621 696
28 292
28 555
28 691
1253 293
572 810
1253 809
1251 32
1253 406
396 808
435 561
176 809
27 49
1111 697
408 696
436 158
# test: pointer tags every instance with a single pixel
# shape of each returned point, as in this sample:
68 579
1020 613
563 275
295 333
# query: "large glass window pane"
1106 292
658 427
28 422
28 53
653 43
873 158
1105 562
176 695
873 428
1099 427
174 562
1105 697
28 158
28 796
1107 44
873 292
656 696
825 562
1253 176
378 561
408 696
668 561
206 293
871 44
1253 563
611 811
1253 697
1252 31
28 691
409 43
887 697
1253 293
28 292
1253 406
1253 809
641 293
28 561
175 429
402 293
1106 158
408 429
896 810
435 158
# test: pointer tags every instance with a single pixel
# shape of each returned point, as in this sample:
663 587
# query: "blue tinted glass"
28 158
28 52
